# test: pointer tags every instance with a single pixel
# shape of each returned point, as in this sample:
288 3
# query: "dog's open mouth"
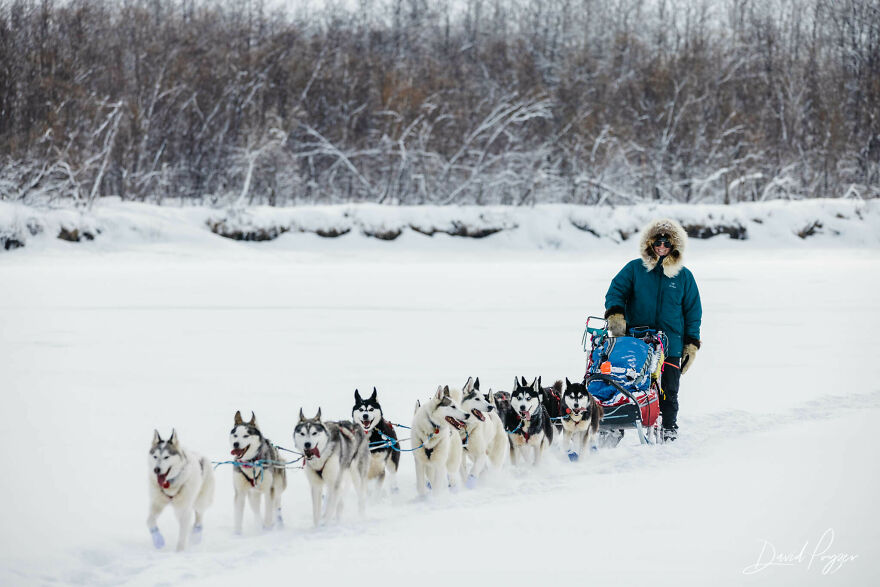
366 424
457 424
526 415
162 481
478 414
313 453
238 452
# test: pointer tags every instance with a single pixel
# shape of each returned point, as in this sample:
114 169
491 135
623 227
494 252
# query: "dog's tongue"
237 452
162 482
313 452
525 415
479 415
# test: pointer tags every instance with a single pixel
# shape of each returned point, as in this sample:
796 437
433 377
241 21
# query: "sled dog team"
456 434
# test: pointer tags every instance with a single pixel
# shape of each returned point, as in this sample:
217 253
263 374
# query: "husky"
527 422
484 437
257 471
552 401
382 439
437 443
581 414
333 451
183 479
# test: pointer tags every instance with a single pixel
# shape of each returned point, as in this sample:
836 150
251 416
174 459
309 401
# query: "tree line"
439 102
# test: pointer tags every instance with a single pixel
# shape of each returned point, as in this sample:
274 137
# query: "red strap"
672 365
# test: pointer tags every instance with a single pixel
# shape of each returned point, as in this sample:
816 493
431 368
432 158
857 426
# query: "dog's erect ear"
477 384
515 383
439 394
418 405
253 421
357 397
446 390
301 415
373 396
567 383
238 419
523 380
173 440
536 384
156 438
468 386
318 415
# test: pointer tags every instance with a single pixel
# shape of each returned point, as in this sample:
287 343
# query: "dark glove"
688 356
617 325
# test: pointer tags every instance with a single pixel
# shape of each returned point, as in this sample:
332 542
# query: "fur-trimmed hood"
674 261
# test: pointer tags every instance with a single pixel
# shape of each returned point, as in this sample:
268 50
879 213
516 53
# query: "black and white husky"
581 414
257 472
384 451
485 440
527 422
552 400
182 479
333 451
436 441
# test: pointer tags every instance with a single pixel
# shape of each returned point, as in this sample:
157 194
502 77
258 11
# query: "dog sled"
623 374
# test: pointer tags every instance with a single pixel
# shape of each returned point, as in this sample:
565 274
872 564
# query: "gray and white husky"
581 414
183 479
333 451
438 446
257 472
485 440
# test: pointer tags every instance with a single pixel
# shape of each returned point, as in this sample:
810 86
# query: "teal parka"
659 293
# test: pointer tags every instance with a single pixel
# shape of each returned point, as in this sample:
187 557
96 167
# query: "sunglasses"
662 242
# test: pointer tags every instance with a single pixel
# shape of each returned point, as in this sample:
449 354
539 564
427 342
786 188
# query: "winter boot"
670 434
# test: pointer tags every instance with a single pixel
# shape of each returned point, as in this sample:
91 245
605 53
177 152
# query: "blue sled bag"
626 360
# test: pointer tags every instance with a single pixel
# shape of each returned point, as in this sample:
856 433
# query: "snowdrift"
558 226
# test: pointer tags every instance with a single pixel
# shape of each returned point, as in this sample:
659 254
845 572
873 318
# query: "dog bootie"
670 434
572 456
470 482
196 537
158 541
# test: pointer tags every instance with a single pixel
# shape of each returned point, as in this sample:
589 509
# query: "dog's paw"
158 540
573 456
470 482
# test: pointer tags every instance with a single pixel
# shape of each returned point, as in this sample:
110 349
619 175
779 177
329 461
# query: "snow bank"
852 222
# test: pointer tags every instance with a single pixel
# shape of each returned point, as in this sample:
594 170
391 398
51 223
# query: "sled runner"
623 374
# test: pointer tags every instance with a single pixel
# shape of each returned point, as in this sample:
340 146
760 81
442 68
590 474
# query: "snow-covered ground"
103 341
